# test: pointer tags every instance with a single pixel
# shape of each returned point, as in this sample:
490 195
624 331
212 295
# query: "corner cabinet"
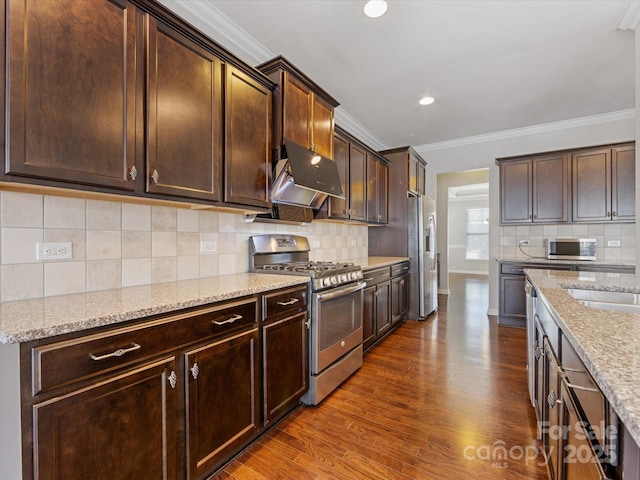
71 91
604 184
174 396
534 190
303 111
155 109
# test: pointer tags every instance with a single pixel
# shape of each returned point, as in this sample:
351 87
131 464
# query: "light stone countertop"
586 263
368 263
25 320
607 342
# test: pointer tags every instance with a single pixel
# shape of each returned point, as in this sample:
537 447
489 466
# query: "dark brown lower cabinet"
285 364
399 297
368 316
119 428
222 404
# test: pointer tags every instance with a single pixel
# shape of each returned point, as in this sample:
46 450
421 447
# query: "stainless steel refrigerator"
423 293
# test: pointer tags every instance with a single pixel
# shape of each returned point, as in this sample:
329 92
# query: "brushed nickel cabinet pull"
290 302
117 353
155 176
232 319
195 370
173 379
133 172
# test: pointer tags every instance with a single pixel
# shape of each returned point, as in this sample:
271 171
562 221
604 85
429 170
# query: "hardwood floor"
445 398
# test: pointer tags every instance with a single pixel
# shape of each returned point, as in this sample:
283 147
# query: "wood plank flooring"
445 398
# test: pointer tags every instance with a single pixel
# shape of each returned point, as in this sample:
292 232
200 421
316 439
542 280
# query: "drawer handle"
118 353
290 302
230 320
368 279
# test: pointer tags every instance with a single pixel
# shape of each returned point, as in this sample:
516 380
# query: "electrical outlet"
54 251
613 243
208 246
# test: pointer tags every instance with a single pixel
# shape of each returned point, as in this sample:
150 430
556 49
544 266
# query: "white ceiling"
491 65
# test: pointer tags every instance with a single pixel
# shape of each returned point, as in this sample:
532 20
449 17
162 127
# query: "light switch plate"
613 243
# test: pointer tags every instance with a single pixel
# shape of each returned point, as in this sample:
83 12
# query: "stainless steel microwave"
571 248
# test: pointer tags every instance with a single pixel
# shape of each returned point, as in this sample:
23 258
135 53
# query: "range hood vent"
304 178
284 213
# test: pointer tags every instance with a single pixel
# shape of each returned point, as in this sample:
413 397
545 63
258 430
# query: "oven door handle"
341 291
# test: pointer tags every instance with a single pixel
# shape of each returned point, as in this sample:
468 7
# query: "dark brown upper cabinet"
417 173
247 140
604 184
377 188
339 207
303 111
71 89
534 189
184 105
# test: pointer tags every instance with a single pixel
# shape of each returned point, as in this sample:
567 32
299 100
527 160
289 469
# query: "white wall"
481 152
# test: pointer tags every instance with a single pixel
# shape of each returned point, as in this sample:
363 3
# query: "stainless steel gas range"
335 348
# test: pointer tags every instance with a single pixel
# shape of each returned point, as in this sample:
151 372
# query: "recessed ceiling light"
375 8
426 101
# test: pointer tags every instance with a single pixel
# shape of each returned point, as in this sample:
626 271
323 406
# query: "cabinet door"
285 365
383 192
383 307
591 185
399 297
357 182
377 179
122 427
247 140
71 90
338 206
550 189
184 107
322 127
515 192
623 190
512 297
296 111
368 316
417 172
222 404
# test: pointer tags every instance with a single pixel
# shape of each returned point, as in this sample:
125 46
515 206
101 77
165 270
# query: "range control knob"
344 277
326 281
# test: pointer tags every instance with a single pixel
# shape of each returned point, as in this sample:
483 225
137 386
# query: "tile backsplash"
510 237
122 244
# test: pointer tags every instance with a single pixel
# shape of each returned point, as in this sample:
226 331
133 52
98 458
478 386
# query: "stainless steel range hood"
304 178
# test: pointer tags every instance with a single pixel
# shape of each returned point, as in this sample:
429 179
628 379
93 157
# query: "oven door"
336 319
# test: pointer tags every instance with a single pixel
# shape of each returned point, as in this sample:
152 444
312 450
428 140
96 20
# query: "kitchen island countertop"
25 320
583 263
606 341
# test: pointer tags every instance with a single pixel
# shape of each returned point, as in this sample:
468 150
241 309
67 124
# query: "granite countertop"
368 263
606 341
546 261
25 320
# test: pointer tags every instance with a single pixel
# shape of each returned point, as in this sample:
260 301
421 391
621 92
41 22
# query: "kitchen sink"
605 300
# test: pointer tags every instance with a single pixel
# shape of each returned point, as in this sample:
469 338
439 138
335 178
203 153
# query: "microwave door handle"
342 291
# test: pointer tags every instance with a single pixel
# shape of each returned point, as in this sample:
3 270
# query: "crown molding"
535 129
630 16
358 130
216 25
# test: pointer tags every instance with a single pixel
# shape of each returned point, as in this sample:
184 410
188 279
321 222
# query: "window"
477 234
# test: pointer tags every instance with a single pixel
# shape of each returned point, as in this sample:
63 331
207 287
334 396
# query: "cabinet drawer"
85 357
376 276
399 269
512 269
277 303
